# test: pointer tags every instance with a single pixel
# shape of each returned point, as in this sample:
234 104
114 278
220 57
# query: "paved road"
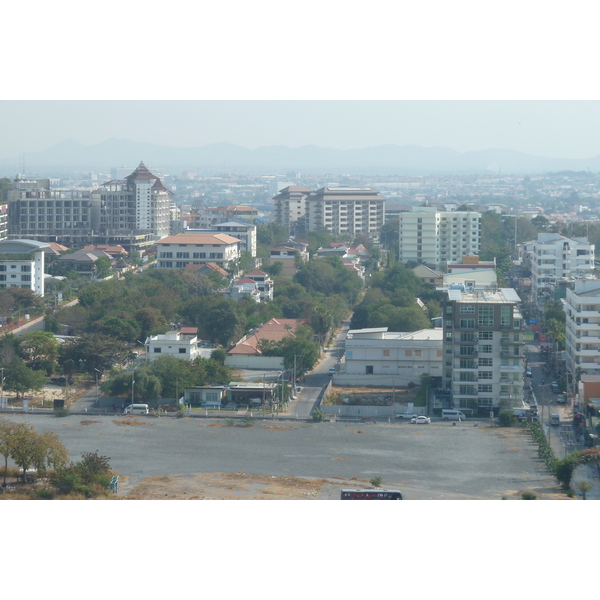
319 377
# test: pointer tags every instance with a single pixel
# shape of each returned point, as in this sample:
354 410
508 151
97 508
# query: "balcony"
511 368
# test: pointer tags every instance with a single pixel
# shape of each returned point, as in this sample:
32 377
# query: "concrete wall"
259 363
397 381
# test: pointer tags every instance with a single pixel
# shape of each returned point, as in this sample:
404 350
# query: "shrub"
376 482
247 421
529 495
42 494
564 470
507 419
61 412
318 415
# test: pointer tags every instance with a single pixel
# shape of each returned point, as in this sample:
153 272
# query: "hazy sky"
565 129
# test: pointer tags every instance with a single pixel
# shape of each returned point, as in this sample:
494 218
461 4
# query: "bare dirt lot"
196 458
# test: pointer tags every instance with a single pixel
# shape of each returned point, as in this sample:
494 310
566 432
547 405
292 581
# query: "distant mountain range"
71 156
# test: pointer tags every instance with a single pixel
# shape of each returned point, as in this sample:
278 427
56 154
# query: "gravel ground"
271 459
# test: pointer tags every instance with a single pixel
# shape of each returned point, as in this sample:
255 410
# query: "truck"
526 412
406 415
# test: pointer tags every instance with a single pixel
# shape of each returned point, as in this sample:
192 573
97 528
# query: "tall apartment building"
582 310
554 257
346 211
342 210
289 205
483 349
138 204
436 237
35 211
132 212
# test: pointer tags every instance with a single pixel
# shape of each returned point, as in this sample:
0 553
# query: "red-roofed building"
179 251
246 353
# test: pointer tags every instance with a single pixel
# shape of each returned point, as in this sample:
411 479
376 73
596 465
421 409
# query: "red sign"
541 338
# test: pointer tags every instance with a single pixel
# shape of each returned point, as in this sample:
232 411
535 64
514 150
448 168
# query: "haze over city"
559 129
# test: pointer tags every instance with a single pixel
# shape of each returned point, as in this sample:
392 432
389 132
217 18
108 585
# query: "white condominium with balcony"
582 310
554 257
435 237
342 210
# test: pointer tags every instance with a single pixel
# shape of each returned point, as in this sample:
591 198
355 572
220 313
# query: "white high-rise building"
140 203
435 237
582 310
342 210
554 257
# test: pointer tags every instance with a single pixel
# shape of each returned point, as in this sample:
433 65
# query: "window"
157 350
386 352
485 349
408 353
485 388
505 314
182 351
485 362
486 316
467 323
467 309
485 374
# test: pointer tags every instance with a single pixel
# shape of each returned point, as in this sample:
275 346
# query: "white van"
136 409
452 415
554 419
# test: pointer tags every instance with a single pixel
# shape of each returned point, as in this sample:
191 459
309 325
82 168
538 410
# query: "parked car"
528 373
554 386
332 371
421 419
406 415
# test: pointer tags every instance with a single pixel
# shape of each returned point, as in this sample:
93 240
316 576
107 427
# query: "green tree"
19 378
219 355
29 448
93 351
102 267
119 328
41 350
7 442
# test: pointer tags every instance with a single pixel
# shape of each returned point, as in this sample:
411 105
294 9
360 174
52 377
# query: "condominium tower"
554 257
483 349
434 237
342 210
582 310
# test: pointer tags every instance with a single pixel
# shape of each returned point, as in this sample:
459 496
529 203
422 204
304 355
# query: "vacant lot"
205 458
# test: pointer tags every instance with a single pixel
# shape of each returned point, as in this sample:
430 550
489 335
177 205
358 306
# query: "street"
319 377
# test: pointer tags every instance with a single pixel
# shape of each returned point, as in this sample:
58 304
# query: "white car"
420 419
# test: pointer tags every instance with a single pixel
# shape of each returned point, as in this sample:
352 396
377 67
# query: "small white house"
173 343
